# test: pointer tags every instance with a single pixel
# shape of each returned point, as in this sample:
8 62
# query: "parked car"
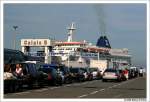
64 71
77 74
96 73
87 74
135 71
11 82
131 73
111 74
67 74
31 75
53 76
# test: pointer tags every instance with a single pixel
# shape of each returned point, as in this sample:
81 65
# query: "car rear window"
46 70
74 70
110 70
93 69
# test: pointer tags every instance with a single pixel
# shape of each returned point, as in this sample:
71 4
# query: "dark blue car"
53 77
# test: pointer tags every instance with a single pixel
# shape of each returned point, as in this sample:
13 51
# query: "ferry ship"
81 53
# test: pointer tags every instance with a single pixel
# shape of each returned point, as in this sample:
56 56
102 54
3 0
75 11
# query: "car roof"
110 69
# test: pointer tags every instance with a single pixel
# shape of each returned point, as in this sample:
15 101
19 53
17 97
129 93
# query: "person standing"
126 73
19 70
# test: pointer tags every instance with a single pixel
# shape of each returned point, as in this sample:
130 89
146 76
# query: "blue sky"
124 24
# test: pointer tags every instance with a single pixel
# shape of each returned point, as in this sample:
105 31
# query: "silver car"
111 74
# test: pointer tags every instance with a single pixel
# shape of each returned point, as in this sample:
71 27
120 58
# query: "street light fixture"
15 28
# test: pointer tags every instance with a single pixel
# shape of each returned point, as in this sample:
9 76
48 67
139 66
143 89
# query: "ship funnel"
103 42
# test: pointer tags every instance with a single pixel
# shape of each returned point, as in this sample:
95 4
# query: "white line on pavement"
94 92
101 89
22 93
41 90
54 88
82 96
107 88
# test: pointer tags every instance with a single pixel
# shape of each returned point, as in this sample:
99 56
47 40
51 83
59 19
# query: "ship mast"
70 33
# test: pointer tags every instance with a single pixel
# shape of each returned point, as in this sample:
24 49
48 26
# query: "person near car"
126 73
8 72
58 70
19 70
141 72
60 73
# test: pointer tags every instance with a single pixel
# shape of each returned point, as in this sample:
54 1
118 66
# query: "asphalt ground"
133 88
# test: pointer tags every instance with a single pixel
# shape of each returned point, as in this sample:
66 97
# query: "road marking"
82 96
101 89
114 85
109 87
40 90
22 93
54 88
94 92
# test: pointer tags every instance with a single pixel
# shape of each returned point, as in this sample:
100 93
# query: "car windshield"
85 70
74 70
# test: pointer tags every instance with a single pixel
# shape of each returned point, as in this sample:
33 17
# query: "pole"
98 56
15 28
68 60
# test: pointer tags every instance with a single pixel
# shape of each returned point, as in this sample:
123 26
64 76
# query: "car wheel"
17 86
54 82
104 80
30 85
119 80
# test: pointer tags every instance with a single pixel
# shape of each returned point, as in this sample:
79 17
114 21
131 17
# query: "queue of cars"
39 75
121 74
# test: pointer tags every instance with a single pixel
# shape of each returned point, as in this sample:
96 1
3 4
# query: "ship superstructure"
86 51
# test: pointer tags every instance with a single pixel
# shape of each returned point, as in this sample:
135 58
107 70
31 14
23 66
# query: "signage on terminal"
35 42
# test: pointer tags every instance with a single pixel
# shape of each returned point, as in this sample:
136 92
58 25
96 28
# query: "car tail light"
49 77
116 74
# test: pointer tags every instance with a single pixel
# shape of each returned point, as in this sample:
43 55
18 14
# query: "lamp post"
15 28
68 59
